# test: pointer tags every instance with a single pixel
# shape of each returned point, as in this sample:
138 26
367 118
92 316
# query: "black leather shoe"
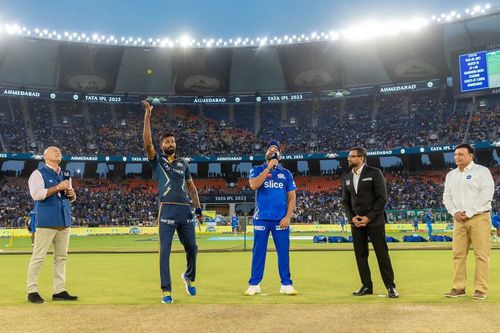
64 296
392 293
35 298
363 291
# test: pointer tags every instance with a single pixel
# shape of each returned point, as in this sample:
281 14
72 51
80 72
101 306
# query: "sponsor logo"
469 177
280 228
272 184
167 221
313 78
137 159
203 83
415 68
281 176
367 179
86 82
259 228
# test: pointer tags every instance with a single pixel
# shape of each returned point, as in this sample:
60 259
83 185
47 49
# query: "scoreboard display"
478 73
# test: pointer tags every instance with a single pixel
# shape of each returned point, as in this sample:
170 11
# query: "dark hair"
166 135
359 151
466 146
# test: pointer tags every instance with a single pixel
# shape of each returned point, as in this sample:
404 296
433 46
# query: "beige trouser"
475 231
44 237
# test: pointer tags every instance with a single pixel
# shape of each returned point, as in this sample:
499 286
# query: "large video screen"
479 71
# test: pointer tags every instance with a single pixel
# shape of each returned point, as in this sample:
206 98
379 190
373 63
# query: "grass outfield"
321 277
120 293
211 242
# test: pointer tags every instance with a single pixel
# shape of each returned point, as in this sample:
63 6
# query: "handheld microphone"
67 176
276 156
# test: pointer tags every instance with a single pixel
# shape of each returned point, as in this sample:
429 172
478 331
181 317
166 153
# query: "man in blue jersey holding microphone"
274 205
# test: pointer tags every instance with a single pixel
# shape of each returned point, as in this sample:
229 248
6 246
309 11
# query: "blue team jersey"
32 218
234 221
271 198
495 221
171 177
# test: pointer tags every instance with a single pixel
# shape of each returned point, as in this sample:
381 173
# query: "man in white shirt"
468 192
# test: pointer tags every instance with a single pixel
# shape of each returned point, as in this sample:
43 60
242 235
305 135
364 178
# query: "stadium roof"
328 63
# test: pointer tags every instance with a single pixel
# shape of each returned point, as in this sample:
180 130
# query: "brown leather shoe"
479 295
454 293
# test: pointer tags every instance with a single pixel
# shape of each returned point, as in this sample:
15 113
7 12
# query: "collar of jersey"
166 158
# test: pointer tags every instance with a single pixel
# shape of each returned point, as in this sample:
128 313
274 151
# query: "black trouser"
360 242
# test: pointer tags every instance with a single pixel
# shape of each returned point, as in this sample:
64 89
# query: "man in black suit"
364 198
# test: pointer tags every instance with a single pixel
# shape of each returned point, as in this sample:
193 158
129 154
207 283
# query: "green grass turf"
150 243
422 276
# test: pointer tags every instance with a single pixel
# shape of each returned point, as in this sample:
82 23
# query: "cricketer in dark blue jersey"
176 190
274 205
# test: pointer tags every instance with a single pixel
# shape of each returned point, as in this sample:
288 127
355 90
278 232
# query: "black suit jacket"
369 200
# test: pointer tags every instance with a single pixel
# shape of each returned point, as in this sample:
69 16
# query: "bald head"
52 155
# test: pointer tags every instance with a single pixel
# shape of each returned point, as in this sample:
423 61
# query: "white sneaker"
288 290
252 290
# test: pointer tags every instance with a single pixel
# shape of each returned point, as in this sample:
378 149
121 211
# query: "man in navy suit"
364 198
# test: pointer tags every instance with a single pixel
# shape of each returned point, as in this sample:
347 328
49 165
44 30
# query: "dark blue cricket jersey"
171 177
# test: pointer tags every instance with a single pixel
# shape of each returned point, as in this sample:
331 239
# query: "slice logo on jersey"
281 176
272 184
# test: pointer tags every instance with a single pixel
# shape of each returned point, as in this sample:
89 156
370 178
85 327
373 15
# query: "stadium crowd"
103 203
387 121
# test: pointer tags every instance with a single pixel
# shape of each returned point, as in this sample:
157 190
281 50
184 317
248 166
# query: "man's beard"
270 156
169 151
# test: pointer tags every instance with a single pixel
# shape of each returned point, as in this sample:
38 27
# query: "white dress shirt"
470 191
36 185
355 178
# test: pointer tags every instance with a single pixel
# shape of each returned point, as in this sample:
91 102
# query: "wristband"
198 212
